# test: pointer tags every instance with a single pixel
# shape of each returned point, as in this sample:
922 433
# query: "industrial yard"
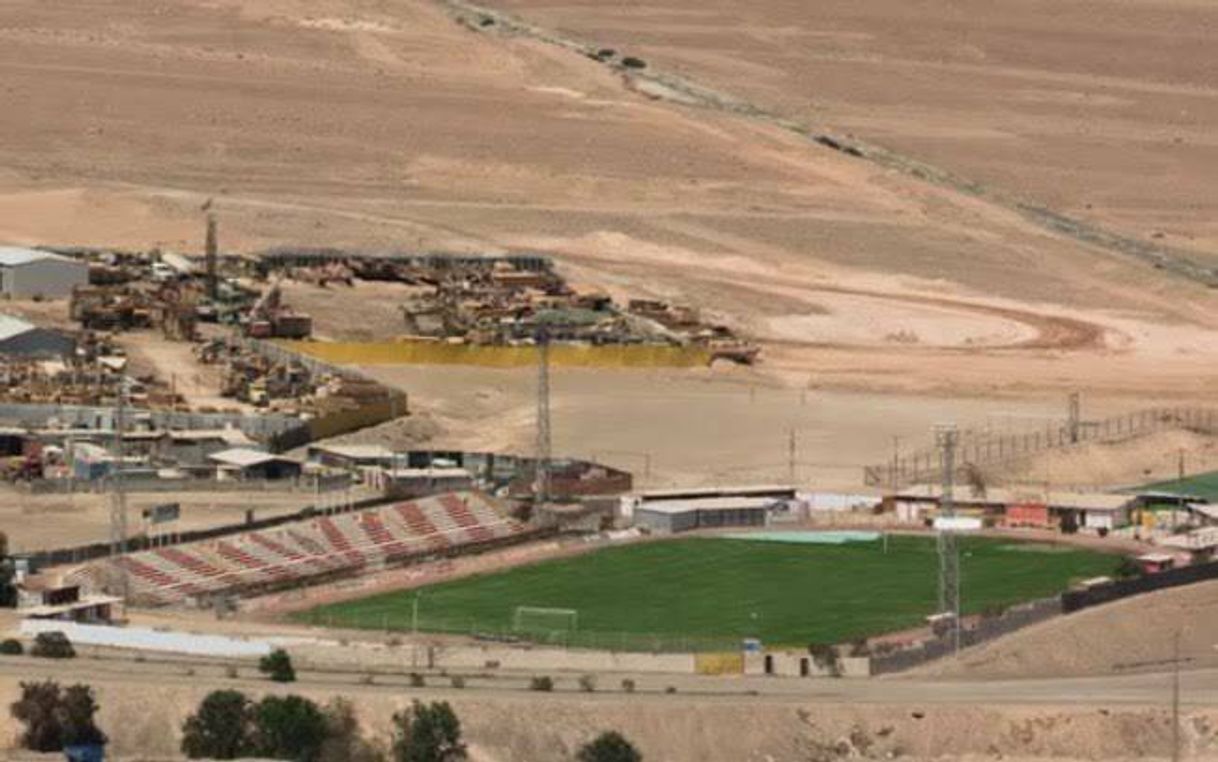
849 367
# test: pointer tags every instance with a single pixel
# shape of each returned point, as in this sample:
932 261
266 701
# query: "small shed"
418 482
20 338
669 516
352 457
26 273
246 464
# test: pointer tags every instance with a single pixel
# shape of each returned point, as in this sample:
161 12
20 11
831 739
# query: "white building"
27 273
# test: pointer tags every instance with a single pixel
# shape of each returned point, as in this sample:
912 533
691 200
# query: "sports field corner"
704 593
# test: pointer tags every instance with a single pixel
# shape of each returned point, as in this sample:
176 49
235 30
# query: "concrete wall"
794 664
52 277
551 660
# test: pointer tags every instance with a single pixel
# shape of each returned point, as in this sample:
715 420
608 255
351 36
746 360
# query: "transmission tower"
541 489
946 437
118 496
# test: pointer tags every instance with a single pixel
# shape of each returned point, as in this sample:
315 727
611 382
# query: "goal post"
542 620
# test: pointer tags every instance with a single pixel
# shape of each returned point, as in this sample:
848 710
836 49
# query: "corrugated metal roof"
1089 501
12 256
11 326
708 504
244 456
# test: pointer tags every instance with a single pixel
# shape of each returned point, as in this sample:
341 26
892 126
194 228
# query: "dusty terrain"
143 706
35 522
1134 635
1100 110
390 124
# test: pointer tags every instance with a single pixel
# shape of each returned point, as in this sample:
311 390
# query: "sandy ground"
355 123
1153 458
35 522
729 425
143 705
1134 635
1102 111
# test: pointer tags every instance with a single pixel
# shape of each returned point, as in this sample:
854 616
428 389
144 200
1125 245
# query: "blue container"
89 753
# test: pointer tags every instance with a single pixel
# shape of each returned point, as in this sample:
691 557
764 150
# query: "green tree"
221 728
427 733
8 591
609 747
77 710
278 666
38 711
344 741
289 727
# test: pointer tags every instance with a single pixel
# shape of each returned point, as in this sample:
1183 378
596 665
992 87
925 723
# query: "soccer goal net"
536 620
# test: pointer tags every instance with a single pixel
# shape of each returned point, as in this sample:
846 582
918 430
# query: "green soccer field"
654 595
1201 485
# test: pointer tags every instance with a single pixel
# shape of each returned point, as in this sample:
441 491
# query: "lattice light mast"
946 437
118 496
541 487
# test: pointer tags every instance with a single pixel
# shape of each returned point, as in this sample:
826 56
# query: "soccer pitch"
713 588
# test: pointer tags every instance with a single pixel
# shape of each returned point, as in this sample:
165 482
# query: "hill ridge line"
683 91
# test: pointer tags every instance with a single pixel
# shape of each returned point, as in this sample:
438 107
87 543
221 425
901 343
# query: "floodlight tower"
946 437
541 487
118 496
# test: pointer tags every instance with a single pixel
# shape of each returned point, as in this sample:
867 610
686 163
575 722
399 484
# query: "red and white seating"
327 544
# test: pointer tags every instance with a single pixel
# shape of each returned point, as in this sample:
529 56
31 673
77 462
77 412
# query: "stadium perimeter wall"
561 355
1024 615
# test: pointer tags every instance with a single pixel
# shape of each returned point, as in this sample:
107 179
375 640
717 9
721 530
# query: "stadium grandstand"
310 550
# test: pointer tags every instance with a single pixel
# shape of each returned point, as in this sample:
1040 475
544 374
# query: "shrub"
417 680
221 728
587 683
671 689
458 681
54 719
826 657
278 666
628 685
544 683
427 733
37 710
231 672
630 62
76 712
344 741
11 647
609 747
288 727
52 645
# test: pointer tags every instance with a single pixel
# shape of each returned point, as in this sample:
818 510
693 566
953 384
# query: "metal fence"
1018 617
981 448
502 631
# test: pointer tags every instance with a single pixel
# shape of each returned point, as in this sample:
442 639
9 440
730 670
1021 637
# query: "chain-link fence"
502 631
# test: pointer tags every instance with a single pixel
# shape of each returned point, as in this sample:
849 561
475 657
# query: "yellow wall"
562 355
726 663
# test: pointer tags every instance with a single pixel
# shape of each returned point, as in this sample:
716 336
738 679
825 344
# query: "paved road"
1198 688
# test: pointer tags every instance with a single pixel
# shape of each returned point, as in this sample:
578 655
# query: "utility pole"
118 497
946 437
541 489
791 456
210 253
1075 417
1175 700
896 461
